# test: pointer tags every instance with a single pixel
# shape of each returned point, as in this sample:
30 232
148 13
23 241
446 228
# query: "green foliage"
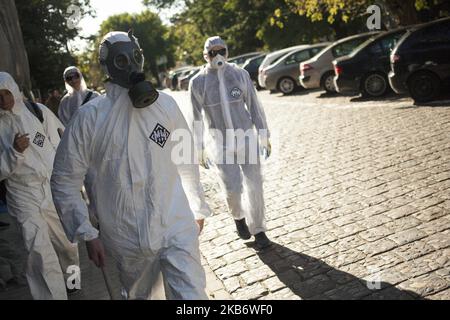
404 11
46 33
245 25
330 10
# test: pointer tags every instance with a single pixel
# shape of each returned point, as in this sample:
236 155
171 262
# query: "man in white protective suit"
223 97
28 141
147 225
77 94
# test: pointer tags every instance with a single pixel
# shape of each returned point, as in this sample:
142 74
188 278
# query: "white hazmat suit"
226 99
73 99
29 197
147 223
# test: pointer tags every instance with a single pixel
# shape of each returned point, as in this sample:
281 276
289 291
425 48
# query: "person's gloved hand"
266 148
205 162
96 252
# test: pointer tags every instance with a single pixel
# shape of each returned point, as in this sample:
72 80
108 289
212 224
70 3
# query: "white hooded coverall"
228 100
73 99
147 223
29 197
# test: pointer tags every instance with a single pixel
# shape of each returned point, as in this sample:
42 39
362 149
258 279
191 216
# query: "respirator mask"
217 58
123 62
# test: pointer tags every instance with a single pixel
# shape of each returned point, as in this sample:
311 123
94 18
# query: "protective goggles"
213 53
71 77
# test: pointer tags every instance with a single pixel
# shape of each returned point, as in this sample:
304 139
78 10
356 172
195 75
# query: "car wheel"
424 86
374 85
328 82
286 85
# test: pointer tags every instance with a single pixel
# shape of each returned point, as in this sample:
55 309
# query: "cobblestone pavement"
355 192
358 203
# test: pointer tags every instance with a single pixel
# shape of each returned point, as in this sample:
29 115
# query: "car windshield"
318 55
259 60
387 43
361 47
277 59
269 60
347 47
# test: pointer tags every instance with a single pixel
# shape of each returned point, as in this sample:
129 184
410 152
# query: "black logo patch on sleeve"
160 135
39 139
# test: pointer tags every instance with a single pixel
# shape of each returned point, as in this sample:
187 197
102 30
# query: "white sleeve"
52 124
10 160
64 111
254 105
190 172
198 127
70 168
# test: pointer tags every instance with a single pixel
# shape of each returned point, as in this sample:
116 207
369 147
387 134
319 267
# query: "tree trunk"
13 56
404 10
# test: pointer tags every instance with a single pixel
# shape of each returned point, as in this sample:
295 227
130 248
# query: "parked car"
366 69
183 81
420 64
252 65
318 72
283 75
272 58
173 76
240 60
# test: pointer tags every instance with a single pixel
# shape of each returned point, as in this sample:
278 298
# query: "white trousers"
233 178
183 275
50 253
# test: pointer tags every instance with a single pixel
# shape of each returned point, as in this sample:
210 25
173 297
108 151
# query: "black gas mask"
123 62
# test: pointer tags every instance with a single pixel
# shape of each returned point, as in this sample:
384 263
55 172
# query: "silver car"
318 72
240 60
283 75
271 58
183 81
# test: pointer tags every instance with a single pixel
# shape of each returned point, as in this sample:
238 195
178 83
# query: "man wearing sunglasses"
226 95
77 94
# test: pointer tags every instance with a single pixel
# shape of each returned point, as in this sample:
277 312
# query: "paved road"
358 203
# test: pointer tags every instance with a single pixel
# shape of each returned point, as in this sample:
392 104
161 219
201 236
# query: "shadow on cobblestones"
303 92
327 95
312 279
388 97
435 104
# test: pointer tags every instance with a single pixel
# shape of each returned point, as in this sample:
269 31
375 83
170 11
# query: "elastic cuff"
201 216
17 154
89 236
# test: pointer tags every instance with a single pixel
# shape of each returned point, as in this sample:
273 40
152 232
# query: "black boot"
261 241
242 229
